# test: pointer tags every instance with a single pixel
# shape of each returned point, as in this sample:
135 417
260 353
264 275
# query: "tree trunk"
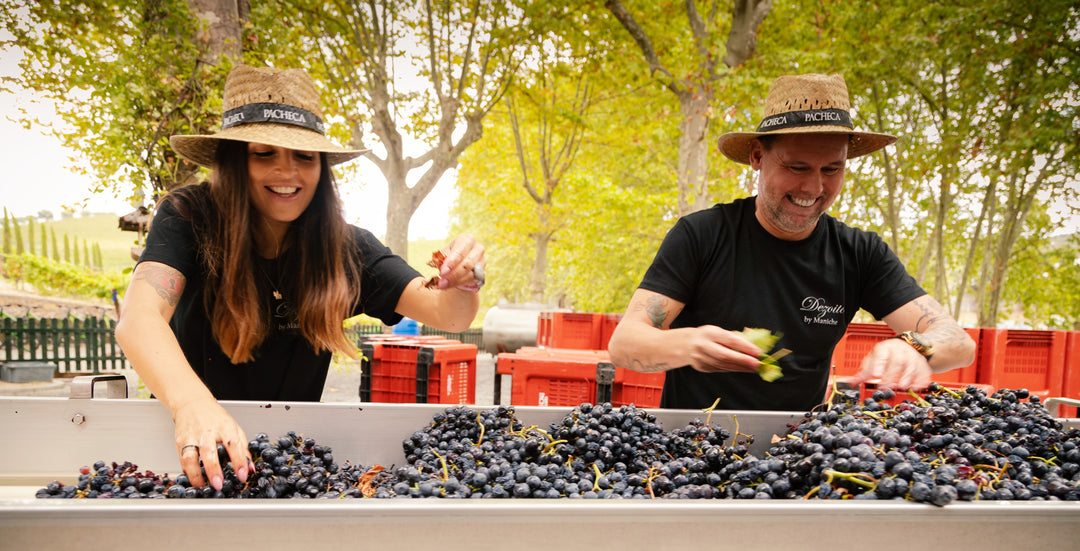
695 92
222 37
693 150
538 279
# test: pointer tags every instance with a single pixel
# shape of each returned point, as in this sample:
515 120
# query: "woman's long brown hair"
323 278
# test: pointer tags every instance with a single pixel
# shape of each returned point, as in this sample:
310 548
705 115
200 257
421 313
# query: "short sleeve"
171 241
384 277
669 274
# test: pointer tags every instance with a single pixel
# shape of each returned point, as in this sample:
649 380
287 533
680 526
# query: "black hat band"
812 117
272 112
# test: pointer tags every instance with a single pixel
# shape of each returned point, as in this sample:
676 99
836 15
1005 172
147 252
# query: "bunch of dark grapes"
947 446
944 447
595 452
289 467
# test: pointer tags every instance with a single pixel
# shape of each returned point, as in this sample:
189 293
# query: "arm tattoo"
642 365
928 323
167 282
930 315
655 309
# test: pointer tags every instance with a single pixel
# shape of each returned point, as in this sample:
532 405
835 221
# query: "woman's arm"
144 334
453 305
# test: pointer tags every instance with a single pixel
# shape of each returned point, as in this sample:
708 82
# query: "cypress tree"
67 249
99 263
30 235
7 232
18 237
44 241
55 249
76 251
86 253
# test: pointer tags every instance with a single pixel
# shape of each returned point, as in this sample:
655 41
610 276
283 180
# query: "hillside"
102 229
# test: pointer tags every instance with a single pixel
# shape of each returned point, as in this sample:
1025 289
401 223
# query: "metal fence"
470 336
78 346
84 346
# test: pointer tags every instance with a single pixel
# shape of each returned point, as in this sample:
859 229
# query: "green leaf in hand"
769 370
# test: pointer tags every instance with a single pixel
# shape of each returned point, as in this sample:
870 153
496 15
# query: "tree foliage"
983 94
124 75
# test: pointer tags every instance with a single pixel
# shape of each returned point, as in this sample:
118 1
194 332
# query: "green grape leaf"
769 370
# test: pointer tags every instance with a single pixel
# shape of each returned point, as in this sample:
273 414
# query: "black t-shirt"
285 365
730 272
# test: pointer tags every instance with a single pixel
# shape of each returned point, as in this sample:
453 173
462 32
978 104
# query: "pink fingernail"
216 482
242 474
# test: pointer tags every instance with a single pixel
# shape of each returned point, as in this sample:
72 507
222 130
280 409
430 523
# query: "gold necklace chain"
277 295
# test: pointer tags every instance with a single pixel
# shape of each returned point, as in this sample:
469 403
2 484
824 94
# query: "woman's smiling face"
281 181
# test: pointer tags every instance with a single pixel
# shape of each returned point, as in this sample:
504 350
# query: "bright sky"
36 177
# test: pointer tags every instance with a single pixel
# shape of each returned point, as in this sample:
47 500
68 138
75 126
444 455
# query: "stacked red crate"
447 372
1035 360
568 377
1070 387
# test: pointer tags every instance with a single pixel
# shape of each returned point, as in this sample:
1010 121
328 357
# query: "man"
776 261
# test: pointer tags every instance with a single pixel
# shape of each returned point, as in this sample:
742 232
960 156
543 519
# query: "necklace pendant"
277 295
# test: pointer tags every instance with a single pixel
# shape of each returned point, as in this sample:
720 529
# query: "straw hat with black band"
270 106
805 104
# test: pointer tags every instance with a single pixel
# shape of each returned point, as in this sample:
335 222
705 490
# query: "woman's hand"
200 427
464 264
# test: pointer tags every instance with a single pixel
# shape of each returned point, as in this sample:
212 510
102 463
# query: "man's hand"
894 364
712 349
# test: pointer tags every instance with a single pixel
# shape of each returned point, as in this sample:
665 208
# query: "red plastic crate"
546 379
607 326
567 377
856 343
1014 358
543 329
451 375
575 330
641 389
860 338
1070 386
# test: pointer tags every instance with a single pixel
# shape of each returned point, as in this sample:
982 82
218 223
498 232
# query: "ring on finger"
184 449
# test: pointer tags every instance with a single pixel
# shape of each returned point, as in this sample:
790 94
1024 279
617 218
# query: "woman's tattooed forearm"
167 282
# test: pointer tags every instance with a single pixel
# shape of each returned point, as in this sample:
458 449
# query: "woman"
246 279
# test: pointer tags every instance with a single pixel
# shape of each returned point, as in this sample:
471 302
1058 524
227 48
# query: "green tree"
7 233
86 255
992 86
119 103
98 262
19 249
67 248
29 234
44 241
75 251
697 63
462 54
55 249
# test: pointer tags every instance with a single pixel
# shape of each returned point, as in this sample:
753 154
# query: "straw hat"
269 106
805 104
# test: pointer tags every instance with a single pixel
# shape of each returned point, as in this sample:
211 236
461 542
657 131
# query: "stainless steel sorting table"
44 439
